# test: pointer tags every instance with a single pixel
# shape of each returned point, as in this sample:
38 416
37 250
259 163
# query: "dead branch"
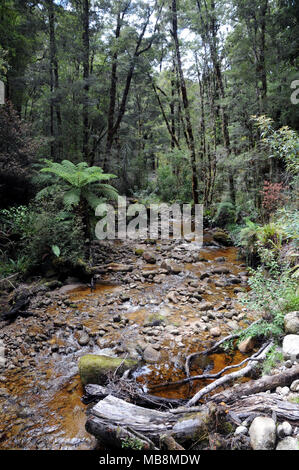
229 377
256 386
206 376
213 348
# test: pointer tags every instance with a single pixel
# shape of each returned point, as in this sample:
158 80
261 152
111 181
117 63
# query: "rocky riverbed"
156 303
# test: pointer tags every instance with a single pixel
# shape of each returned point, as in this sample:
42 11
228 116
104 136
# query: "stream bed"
169 315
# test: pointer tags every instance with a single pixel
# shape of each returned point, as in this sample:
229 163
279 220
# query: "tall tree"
174 33
56 154
85 55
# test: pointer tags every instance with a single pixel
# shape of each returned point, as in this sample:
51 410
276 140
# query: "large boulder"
262 433
290 347
95 369
291 323
222 237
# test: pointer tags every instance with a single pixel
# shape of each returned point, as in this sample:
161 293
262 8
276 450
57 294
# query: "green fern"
79 182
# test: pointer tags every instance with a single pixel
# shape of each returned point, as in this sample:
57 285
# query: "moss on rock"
94 369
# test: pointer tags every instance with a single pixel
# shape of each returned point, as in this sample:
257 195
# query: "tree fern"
81 185
80 181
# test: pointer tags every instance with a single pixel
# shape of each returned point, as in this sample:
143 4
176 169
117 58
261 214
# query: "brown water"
41 406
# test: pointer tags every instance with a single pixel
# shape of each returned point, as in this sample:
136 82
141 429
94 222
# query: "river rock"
240 430
94 369
295 386
262 433
220 270
247 345
149 257
83 339
291 323
216 331
205 306
290 347
150 355
288 443
171 267
284 429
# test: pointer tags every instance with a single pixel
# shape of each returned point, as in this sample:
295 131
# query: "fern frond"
72 197
107 191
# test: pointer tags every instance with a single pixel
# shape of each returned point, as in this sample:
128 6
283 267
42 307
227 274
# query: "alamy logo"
294 95
158 221
2 93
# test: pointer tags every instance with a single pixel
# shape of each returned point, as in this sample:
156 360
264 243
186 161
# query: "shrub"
225 214
17 153
272 197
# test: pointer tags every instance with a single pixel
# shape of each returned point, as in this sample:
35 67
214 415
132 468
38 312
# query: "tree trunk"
56 154
122 109
189 129
86 50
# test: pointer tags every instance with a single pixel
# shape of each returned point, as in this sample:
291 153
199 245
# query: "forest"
160 101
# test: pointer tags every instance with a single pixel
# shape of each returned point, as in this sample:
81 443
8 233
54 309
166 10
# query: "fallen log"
113 420
256 386
261 354
265 404
95 392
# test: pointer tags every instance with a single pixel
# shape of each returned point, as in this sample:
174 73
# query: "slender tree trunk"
189 129
122 109
86 51
54 85
263 74
212 38
113 86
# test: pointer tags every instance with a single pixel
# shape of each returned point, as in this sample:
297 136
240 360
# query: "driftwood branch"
256 386
261 354
213 348
95 393
206 376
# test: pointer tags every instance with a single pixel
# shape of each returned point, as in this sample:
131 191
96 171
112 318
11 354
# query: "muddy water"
41 405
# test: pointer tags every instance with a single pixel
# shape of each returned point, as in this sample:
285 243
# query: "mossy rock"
222 237
139 251
95 369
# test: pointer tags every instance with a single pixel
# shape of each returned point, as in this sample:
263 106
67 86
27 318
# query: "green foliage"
81 182
38 235
273 358
56 250
225 214
288 218
291 302
269 294
14 220
257 242
174 178
54 233
284 142
132 443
